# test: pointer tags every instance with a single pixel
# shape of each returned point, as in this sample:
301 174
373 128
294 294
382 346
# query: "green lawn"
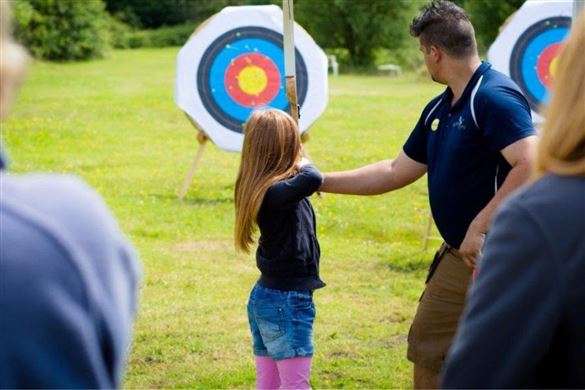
114 123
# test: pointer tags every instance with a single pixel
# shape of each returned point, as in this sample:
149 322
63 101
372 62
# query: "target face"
527 49
243 70
234 64
534 58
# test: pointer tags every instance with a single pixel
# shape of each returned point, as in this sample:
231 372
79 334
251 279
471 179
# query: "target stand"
233 64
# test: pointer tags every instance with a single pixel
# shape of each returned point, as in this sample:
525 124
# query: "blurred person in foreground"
524 324
68 276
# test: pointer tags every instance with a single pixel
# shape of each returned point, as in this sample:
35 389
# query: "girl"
271 193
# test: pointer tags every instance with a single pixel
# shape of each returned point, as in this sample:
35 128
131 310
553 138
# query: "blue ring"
525 54
530 60
235 115
221 64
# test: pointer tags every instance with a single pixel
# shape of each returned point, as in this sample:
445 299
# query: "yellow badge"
435 124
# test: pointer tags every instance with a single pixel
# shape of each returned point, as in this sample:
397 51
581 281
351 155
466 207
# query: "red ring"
233 88
543 64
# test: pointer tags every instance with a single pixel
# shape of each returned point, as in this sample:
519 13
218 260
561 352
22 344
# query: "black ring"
519 50
213 50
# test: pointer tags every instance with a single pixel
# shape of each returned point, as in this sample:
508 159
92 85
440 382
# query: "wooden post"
202 139
305 138
428 231
428 236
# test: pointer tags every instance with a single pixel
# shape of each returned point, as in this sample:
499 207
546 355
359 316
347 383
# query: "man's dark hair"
445 25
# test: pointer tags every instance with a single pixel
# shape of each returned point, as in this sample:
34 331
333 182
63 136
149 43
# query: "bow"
289 58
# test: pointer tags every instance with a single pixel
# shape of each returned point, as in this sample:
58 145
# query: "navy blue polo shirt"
461 147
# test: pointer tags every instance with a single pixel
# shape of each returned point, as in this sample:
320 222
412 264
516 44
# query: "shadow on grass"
408 264
196 200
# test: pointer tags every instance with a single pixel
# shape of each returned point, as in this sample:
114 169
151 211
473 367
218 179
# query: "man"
68 276
474 141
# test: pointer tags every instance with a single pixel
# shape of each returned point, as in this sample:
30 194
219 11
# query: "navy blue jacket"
524 323
288 250
68 285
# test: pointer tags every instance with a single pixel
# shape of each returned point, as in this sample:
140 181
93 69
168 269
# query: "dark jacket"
288 251
524 323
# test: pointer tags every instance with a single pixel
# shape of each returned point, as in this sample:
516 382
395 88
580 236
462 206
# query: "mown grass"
114 123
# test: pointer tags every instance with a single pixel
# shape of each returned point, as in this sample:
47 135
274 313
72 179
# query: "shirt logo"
435 124
459 124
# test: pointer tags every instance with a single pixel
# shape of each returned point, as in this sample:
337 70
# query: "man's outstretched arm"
374 179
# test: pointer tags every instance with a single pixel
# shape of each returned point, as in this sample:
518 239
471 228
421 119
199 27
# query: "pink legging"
283 374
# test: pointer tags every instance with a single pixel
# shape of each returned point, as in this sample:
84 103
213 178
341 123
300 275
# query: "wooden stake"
428 236
202 139
304 139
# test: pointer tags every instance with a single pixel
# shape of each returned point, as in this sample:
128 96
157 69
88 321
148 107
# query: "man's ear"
436 53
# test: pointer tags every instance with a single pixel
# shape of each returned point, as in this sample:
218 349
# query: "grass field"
114 123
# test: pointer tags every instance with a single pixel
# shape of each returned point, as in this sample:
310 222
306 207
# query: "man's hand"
470 248
302 162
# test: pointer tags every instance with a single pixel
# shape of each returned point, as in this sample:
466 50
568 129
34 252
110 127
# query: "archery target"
243 70
534 58
527 49
234 64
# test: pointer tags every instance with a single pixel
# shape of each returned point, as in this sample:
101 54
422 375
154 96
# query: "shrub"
139 39
171 36
407 56
119 33
62 30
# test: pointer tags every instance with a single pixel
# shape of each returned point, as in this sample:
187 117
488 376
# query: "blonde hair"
272 147
562 143
14 61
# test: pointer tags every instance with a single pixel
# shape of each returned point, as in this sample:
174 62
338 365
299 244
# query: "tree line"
359 32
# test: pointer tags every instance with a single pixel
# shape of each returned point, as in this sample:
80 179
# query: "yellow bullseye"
553 67
252 80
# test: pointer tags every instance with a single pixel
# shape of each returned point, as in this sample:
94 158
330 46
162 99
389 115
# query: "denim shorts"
281 322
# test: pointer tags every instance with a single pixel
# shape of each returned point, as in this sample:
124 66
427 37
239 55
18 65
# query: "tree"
157 13
62 29
359 26
488 16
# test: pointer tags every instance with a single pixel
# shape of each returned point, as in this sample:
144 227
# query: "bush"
62 29
139 39
408 56
119 33
124 37
171 36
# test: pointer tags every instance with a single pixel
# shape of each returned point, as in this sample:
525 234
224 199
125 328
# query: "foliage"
115 124
160 37
361 33
170 36
120 34
148 14
62 29
488 16
359 26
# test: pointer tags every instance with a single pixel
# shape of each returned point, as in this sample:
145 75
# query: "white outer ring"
269 16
